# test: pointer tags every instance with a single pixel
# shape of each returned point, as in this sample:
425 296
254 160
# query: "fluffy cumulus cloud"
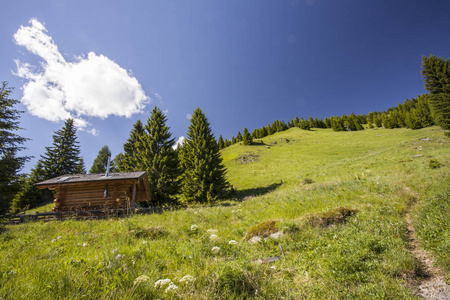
91 86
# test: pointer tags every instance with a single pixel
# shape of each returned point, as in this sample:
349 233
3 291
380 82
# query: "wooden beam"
133 197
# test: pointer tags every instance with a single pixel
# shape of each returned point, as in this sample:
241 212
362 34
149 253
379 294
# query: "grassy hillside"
340 201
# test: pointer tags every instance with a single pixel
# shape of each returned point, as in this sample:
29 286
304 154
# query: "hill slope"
340 201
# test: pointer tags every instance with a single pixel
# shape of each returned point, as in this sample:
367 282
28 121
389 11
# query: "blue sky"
244 63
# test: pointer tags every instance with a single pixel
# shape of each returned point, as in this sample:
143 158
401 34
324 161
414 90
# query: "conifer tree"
436 74
247 138
159 159
239 137
29 196
81 168
101 161
440 106
221 143
63 157
10 146
130 162
203 178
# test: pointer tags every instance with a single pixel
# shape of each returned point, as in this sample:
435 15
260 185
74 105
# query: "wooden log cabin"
98 191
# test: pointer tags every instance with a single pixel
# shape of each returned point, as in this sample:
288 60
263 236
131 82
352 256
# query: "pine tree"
436 74
247 138
81 167
63 157
130 162
10 146
29 196
239 137
440 107
221 143
101 161
203 178
159 159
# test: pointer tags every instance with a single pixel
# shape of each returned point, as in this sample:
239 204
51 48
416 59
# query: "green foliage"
203 178
10 146
101 161
129 162
247 138
157 156
440 106
63 157
29 196
436 74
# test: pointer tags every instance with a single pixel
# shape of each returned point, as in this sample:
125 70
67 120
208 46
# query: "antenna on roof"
107 166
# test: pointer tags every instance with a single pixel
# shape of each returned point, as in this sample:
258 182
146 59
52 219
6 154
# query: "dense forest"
192 172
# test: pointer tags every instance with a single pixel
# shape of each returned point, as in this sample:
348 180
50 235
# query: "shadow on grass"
241 194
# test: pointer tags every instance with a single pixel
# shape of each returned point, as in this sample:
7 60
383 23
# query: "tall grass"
365 255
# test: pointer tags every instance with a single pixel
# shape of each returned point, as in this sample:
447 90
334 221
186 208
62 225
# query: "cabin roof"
81 178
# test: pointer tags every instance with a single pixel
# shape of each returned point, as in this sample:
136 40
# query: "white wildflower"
215 250
162 282
114 250
144 242
211 231
194 228
59 237
119 256
213 237
171 288
187 279
232 242
141 279
53 240
85 244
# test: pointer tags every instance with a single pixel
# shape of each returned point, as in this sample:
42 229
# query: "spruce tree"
239 137
10 146
440 107
29 196
63 157
101 161
436 74
130 162
203 179
159 159
221 142
246 137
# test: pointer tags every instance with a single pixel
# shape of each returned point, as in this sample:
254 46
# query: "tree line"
192 172
416 113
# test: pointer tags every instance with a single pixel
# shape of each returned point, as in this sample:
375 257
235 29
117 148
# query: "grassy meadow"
337 200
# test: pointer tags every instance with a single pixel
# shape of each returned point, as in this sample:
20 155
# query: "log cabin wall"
100 194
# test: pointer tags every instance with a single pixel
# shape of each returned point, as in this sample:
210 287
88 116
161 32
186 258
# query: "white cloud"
92 86
179 142
189 116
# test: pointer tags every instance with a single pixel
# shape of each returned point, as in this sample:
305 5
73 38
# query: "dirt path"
432 285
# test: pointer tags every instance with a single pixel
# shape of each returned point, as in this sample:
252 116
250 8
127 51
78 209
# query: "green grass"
344 229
